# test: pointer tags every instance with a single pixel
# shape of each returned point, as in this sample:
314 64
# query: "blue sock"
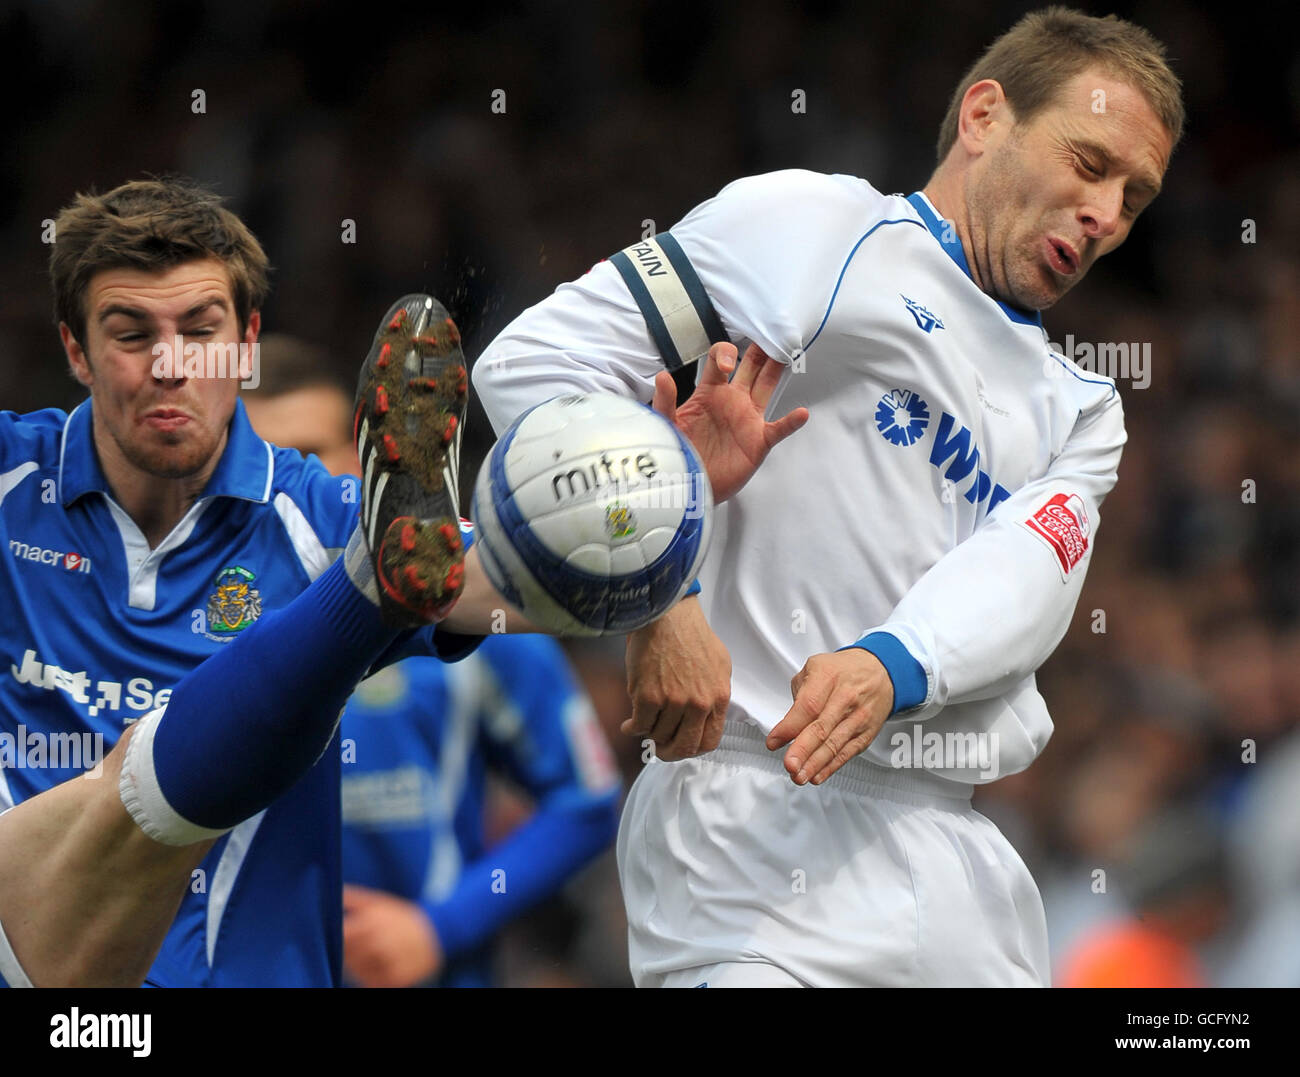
251 720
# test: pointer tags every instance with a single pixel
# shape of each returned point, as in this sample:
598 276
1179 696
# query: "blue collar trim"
244 470
948 239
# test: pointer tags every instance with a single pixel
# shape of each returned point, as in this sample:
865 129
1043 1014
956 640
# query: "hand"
679 679
840 702
387 941
724 419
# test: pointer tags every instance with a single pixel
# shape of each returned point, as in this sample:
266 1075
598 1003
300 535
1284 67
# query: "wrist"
905 673
686 606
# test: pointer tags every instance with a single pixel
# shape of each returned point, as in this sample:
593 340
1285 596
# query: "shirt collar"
948 239
244 471
79 470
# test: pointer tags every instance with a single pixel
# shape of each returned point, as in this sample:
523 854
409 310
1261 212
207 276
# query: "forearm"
531 864
987 614
587 336
482 609
1011 614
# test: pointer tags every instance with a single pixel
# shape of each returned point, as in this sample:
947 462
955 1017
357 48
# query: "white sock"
143 797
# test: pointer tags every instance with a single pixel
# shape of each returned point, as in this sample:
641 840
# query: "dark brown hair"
151 224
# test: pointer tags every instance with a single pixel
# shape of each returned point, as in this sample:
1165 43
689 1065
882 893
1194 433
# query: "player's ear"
984 109
250 375
78 363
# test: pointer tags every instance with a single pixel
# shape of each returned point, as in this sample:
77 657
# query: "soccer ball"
592 514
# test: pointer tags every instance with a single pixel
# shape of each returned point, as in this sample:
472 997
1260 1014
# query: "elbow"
484 373
489 378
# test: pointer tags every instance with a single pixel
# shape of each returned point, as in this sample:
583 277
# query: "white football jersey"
945 491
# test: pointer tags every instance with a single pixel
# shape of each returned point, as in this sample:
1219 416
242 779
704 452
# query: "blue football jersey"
419 740
99 628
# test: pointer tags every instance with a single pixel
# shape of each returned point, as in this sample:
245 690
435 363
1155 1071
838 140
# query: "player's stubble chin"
171 459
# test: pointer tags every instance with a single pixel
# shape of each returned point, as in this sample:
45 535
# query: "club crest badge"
234 603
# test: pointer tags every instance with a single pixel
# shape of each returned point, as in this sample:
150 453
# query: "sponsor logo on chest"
903 419
137 694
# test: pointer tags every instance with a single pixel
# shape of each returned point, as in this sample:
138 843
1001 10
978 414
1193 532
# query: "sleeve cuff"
906 673
693 589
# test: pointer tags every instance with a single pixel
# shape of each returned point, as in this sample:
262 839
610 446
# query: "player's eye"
1088 167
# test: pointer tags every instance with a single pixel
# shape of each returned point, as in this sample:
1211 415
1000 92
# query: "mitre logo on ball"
593 514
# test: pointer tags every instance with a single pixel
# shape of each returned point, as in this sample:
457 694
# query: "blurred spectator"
1173 876
1264 839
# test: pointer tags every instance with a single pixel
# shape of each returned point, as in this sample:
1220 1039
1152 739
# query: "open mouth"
1061 256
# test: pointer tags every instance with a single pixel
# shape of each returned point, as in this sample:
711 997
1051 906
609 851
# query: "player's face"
1058 192
165 426
316 419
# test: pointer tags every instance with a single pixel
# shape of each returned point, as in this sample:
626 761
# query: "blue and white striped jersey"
419 741
97 630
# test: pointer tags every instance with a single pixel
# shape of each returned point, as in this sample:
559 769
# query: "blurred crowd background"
1163 820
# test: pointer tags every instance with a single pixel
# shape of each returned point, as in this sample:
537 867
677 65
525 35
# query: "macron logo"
72 562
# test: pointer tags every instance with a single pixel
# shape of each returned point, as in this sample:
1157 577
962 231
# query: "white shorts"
876 878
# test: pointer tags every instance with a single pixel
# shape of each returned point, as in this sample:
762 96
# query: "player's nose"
1102 215
169 370
168 357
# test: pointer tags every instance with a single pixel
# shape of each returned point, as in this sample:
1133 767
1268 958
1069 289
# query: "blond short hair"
1035 58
